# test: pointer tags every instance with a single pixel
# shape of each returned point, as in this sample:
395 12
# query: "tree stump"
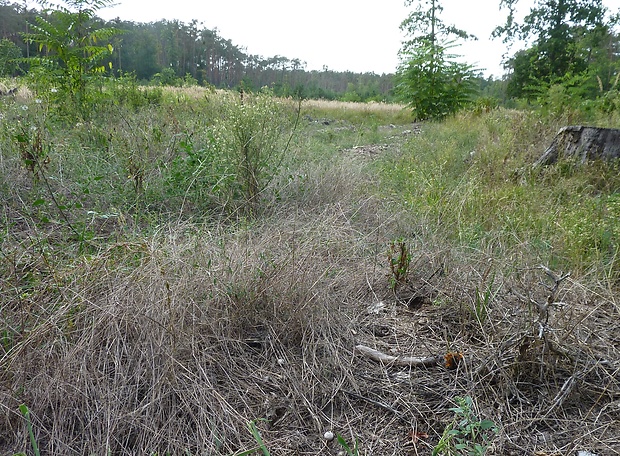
583 144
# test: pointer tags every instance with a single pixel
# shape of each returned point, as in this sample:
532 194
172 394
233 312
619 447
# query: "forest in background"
572 58
175 53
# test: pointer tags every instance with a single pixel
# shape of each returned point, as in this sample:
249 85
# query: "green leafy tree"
137 51
429 78
167 77
566 33
73 47
524 81
424 25
10 54
433 84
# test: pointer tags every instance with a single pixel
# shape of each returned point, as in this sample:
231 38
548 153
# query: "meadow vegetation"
188 271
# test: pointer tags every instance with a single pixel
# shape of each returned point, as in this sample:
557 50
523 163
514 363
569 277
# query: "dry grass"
173 342
23 93
359 113
192 92
371 107
205 333
329 105
552 394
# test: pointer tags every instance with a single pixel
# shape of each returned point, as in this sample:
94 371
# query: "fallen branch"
413 361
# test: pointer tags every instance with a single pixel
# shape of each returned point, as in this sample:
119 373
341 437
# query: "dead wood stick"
414 361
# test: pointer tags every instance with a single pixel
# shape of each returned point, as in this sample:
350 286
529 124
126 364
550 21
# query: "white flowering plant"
242 154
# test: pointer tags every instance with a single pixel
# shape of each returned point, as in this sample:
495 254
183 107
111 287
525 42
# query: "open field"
181 272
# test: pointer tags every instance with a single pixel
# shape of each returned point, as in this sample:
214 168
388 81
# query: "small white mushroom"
329 436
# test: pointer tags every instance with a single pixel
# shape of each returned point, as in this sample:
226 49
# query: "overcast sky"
354 35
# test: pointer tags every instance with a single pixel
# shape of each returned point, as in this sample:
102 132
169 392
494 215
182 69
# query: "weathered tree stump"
583 144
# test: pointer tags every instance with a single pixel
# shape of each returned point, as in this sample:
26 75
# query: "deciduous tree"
9 57
566 35
71 42
430 79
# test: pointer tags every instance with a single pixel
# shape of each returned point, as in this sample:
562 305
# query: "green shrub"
167 77
10 55
125 91
241 153
71 70
467 435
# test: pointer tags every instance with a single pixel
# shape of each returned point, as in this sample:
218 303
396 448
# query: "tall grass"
141 335
470 180
382 113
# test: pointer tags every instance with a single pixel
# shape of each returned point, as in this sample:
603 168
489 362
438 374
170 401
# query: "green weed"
240 154
347 448
467 435
26 413
259 440
483 300
399 259
472 183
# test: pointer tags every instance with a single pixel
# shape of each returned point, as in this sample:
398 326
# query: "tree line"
574 54
173 52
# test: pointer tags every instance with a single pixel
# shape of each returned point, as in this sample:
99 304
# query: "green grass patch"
471 179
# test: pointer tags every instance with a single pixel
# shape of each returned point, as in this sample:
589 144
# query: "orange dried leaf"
415 436
452 359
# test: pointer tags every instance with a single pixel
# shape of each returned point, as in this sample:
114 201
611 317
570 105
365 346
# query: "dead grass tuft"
175 343
370 107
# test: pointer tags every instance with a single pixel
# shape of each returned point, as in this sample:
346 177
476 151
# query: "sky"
342 35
